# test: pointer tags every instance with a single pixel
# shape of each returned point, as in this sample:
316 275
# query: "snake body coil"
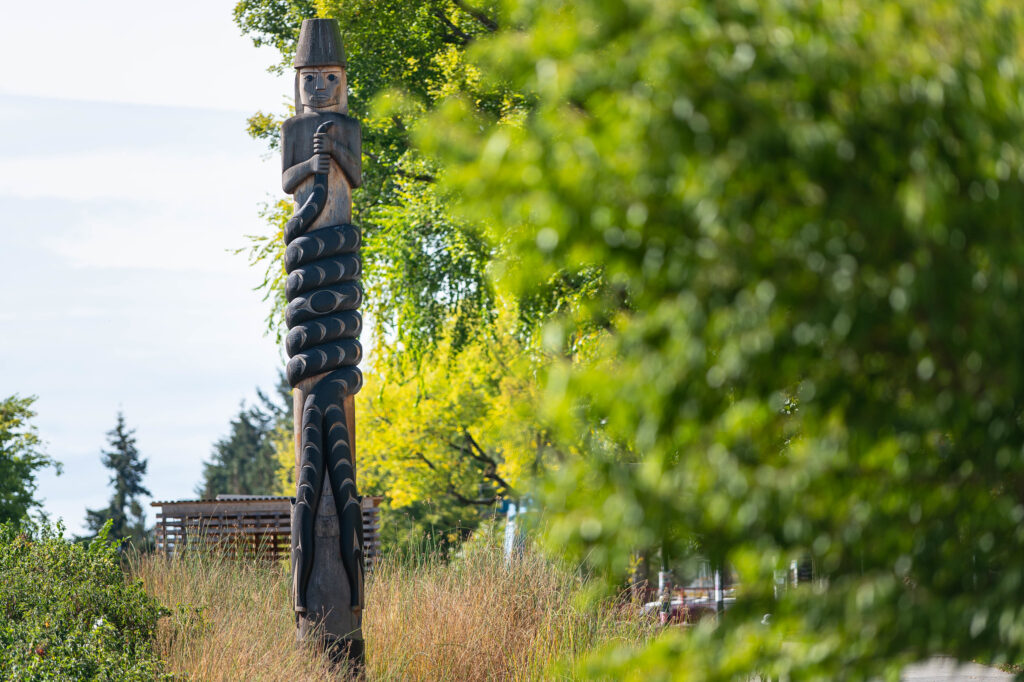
323 293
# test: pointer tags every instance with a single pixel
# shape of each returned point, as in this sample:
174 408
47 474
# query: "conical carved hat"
319 44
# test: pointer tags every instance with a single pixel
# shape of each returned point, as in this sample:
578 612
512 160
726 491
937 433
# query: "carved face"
322 88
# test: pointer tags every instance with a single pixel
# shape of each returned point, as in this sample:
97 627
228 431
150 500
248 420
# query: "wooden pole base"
329 618
345 651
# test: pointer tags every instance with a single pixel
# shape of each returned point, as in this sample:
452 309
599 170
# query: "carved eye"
308 78
332 77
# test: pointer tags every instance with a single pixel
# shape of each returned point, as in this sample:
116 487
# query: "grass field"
474 617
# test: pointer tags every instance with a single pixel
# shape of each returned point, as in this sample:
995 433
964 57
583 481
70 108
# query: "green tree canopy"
446 441
127 468
21 458
809 217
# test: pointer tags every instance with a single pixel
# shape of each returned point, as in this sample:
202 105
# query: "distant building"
249 524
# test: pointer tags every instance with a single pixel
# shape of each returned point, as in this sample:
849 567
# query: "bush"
67 611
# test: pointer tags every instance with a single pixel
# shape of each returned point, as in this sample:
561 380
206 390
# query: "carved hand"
322 147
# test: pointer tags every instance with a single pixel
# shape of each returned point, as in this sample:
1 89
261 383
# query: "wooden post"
321 165
328 590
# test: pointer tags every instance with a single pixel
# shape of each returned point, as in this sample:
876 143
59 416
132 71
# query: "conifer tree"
245 462
127 469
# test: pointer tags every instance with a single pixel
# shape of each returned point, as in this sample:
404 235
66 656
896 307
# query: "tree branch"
455 493
461 448
491 471
478 14
482 456
454 34
420 455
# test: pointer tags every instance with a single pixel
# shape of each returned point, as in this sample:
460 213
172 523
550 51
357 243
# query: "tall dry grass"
472 617
478 617
230 620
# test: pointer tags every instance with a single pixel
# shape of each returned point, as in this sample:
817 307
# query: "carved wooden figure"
321 154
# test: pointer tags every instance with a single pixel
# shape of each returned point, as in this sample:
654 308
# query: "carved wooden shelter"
247 524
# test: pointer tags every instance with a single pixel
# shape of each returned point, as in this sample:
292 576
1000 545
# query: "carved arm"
345 152
293 176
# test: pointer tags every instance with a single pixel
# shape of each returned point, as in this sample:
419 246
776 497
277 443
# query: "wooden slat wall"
247 527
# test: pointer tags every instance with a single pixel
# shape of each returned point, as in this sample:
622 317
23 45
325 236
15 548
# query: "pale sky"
126 177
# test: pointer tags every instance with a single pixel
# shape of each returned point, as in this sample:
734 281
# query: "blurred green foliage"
21 458
808 217
68 612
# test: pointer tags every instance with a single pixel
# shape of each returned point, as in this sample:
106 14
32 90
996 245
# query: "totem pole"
321 154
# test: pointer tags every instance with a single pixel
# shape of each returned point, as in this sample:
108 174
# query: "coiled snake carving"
324 294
